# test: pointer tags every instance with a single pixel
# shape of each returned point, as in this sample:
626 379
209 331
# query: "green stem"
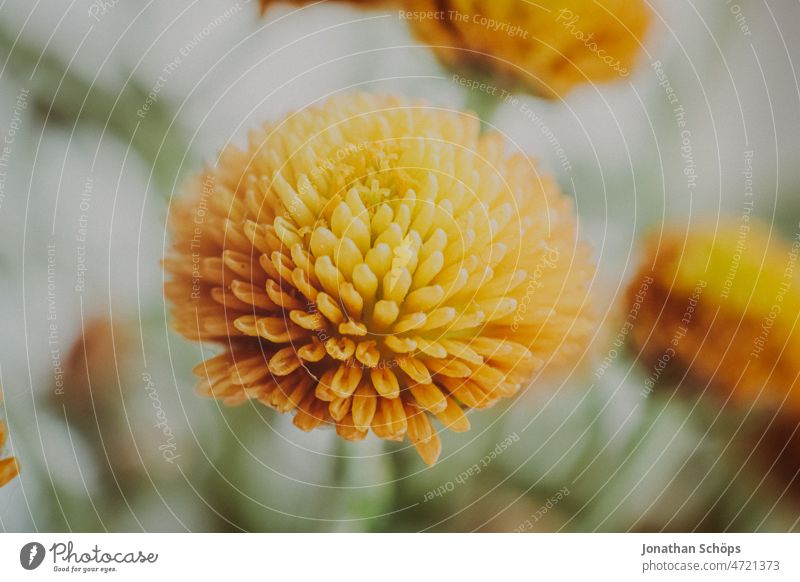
484 104
340 463
60 95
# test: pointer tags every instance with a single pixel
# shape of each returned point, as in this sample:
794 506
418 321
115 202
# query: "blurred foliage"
62 96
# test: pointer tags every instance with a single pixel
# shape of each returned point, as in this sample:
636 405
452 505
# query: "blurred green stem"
483 104
60 95
340 463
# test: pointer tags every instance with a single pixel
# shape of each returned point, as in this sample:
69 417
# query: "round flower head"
723 306
373 263
542 46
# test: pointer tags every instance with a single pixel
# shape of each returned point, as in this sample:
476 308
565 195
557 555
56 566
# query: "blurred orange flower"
723 307
8 466
545 47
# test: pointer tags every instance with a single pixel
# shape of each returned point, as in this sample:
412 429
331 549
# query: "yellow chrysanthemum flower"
723 305
373 262
8 466
547 47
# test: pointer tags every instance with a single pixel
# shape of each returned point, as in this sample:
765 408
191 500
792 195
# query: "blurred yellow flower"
724 306
547 47
374 263
8 466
